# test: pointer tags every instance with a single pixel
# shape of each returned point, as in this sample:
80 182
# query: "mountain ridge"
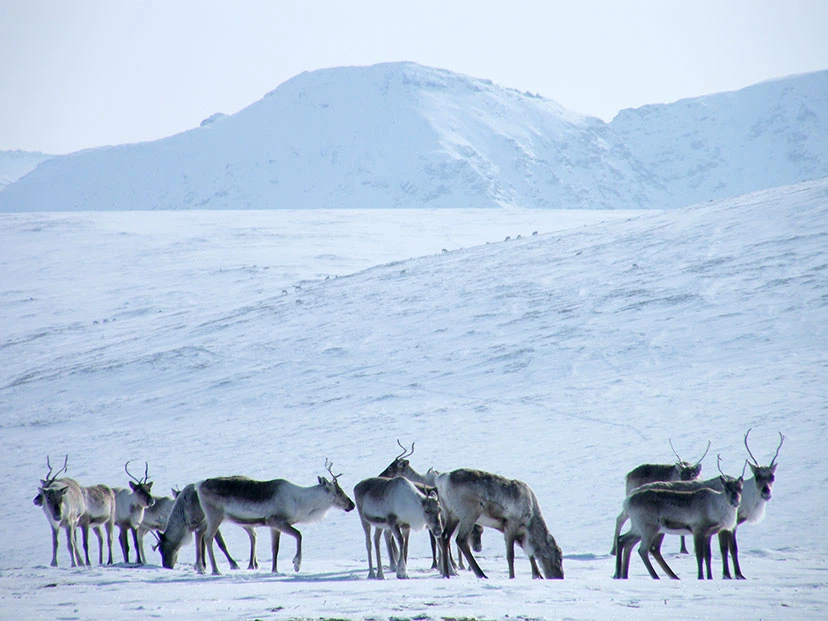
404 135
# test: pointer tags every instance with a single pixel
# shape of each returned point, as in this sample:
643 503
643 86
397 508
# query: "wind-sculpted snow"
219 344
401 135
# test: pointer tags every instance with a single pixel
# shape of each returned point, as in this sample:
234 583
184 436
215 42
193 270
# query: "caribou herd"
659 499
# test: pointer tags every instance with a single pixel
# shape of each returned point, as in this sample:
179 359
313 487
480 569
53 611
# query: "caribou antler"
705 453
755 461
781 440
405 454
133 477
50 478
674 449
328 467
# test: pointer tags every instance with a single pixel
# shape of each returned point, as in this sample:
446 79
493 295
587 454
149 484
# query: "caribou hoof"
297 563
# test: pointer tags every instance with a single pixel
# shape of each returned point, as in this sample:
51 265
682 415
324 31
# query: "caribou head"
338 496
688 471
764 475
51 496
142 488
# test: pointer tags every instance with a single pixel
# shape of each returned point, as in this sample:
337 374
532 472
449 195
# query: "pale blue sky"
79 74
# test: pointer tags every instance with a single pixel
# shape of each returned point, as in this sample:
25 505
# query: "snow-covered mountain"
766 135
401 135
16 164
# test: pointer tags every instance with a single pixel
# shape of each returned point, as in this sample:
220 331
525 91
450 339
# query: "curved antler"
755 461
52 478
719 463
781 440
705 453
674 450
328 467
131 476
405 454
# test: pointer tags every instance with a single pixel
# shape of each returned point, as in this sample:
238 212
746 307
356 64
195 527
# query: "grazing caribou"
129 510
187 517
755 496
652 473
99 502
155 519
654 511
397 506
277 504
62 502
510 506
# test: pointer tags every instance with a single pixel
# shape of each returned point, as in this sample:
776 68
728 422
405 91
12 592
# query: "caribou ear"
38 500
149 485
432 492
132 486
175 492
63 491
773 468
321 480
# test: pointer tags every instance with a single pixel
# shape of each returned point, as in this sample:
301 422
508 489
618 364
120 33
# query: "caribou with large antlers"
657 508
277 504
397 506
129 510
62 502
653 473
755 497
510 506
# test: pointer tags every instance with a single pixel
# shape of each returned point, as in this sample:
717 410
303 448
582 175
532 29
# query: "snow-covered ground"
261 343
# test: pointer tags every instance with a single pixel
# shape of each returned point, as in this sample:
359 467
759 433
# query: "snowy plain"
261 343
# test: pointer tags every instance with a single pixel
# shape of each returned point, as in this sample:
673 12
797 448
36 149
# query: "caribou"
755 496
652 473
63 504
402 467
659 508
99 502
510 506
395 505
187 517
277 504
129 510
155 519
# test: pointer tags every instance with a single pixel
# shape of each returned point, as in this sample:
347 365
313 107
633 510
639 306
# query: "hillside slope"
563 360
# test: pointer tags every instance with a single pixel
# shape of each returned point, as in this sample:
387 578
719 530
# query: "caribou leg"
54 547
254 562
377 537
223 547
462 540
123 539
275 538
655 550
283 526
138 546
85 536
